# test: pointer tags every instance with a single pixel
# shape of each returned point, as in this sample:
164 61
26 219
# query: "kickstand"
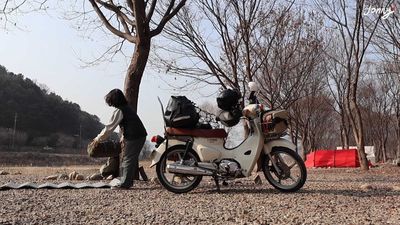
217 184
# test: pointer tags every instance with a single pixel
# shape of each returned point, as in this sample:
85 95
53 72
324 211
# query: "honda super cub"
184 156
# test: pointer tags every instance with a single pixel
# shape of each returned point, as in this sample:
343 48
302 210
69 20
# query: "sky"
47 49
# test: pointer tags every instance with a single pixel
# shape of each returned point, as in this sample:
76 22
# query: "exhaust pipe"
191 170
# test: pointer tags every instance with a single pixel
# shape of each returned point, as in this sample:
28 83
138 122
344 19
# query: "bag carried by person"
104 149
181 113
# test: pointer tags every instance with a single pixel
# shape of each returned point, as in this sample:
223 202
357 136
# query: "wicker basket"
104 149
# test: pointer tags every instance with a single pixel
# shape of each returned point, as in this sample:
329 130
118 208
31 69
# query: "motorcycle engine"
229 167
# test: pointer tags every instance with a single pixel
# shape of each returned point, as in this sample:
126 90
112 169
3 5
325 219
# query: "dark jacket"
131 125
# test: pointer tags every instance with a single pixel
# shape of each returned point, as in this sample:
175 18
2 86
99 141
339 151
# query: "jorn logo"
384 12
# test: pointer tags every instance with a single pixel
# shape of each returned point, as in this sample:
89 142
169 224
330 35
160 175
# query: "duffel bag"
181 113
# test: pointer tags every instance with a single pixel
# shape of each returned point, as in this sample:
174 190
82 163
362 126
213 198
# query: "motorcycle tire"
161 170
275 178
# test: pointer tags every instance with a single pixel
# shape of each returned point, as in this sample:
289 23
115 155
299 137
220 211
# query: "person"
133 135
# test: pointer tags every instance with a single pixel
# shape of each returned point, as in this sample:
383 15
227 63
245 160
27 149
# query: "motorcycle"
183 156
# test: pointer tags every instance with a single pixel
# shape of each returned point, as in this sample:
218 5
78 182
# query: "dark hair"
116 98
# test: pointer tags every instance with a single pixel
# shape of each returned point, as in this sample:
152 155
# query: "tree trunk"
134 77
376 151
354 114
305 144
342 137
398 137
344 130
347 131
135 72
358 132
296 136
385 137
384 152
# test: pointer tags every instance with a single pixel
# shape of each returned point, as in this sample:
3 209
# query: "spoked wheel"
290 174
177 183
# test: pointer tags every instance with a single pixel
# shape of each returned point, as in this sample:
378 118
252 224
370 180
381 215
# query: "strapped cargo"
274 123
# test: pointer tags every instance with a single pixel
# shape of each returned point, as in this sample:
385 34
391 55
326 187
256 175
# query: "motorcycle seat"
206 133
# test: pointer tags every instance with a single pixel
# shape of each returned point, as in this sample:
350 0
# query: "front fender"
268 146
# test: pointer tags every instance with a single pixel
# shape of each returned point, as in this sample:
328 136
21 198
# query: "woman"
133 135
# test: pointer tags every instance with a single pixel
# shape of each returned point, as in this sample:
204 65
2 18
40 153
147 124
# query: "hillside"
42 118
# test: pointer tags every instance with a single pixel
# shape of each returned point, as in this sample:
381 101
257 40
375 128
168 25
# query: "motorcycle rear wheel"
292 172
177 183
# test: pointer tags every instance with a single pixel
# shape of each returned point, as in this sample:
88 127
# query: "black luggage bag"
181 113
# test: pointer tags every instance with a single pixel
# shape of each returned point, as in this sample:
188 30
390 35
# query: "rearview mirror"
253 86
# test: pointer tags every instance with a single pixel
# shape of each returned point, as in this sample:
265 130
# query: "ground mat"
65 185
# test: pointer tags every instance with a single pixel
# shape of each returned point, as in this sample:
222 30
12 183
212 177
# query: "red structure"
333 158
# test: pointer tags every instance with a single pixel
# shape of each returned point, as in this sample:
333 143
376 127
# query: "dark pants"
130 161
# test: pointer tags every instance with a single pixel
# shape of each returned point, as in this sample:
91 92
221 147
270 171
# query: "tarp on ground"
333 158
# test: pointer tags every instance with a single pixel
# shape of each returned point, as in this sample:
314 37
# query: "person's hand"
95 140
122 142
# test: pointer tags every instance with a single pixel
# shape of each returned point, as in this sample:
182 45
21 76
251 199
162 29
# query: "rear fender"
156 154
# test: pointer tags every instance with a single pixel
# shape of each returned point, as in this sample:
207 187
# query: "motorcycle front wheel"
177 183
289 173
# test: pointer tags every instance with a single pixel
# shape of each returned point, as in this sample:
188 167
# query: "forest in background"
42 119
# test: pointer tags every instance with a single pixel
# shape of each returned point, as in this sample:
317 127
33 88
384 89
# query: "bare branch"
115 31
151 11
167 17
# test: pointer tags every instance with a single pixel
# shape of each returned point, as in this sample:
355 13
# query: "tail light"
154 139
158 140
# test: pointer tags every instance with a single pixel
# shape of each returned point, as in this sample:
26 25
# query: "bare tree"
220 45
356 31
376 107
392 79
312 116
274 44
134 21
387 42
337 84
290 57
10 9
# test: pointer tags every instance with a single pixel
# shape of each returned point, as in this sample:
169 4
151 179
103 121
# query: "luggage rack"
208 118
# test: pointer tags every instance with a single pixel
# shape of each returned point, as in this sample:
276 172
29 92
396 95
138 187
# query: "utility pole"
15 127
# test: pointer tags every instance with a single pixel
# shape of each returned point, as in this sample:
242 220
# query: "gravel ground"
330 196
